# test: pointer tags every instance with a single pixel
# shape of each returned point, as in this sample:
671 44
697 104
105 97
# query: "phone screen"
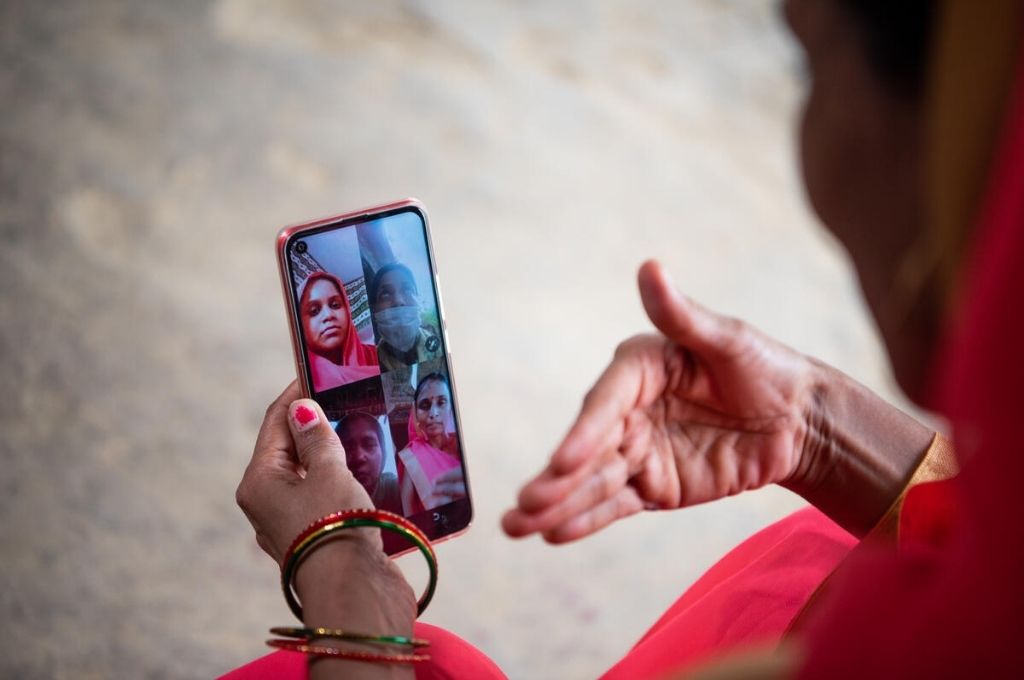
372 344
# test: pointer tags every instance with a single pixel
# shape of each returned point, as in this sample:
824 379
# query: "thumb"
677 316
315 440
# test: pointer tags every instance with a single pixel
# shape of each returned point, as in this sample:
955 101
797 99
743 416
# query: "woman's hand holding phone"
297 475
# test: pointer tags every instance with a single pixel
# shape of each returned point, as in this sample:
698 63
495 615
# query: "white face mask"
399 326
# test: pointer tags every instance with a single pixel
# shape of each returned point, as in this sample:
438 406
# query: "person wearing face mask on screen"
404 339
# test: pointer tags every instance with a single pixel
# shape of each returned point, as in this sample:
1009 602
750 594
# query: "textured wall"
149 152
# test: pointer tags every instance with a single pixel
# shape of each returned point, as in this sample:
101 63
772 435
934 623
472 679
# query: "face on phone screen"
374 354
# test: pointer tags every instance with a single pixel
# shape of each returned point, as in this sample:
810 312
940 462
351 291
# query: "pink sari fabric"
327 374
423 463
359 360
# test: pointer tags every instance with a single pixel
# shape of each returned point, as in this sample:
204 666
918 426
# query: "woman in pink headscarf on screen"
429 472
335 353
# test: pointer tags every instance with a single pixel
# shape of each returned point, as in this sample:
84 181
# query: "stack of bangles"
315 535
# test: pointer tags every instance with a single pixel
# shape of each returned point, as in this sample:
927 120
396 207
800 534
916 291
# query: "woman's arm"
859 451
351 584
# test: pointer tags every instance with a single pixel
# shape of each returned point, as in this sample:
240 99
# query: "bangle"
333 652
339 634
315 533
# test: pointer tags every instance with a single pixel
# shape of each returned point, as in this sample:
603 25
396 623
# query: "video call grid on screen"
367 398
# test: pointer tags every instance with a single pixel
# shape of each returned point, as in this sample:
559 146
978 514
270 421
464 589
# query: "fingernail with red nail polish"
304 417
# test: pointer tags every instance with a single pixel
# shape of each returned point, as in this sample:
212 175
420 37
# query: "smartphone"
371 347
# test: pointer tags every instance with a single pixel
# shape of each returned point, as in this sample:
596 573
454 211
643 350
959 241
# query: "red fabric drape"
358 360
948 604
749 597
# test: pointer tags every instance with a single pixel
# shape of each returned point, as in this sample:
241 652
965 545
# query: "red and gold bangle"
315 533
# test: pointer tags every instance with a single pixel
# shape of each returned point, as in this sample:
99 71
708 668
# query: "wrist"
816 451
858 451
348 582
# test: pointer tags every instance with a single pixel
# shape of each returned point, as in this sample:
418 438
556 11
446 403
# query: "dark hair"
430 377
360 415
897 38
379 276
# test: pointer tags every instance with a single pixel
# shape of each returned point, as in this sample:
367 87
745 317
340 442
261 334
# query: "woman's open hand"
709 409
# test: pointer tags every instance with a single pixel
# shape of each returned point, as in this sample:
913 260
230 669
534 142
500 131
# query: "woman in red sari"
913 155
335 353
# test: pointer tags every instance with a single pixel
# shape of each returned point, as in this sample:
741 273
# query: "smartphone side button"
440 301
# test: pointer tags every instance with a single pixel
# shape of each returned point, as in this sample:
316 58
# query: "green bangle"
339 634
330 525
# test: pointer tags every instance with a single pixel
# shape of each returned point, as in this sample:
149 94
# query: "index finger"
274 438
607 403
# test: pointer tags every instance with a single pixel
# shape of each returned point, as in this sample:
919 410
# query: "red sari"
358 360
949 601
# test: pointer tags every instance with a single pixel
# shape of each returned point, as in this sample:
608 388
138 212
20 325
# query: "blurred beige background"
150 151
